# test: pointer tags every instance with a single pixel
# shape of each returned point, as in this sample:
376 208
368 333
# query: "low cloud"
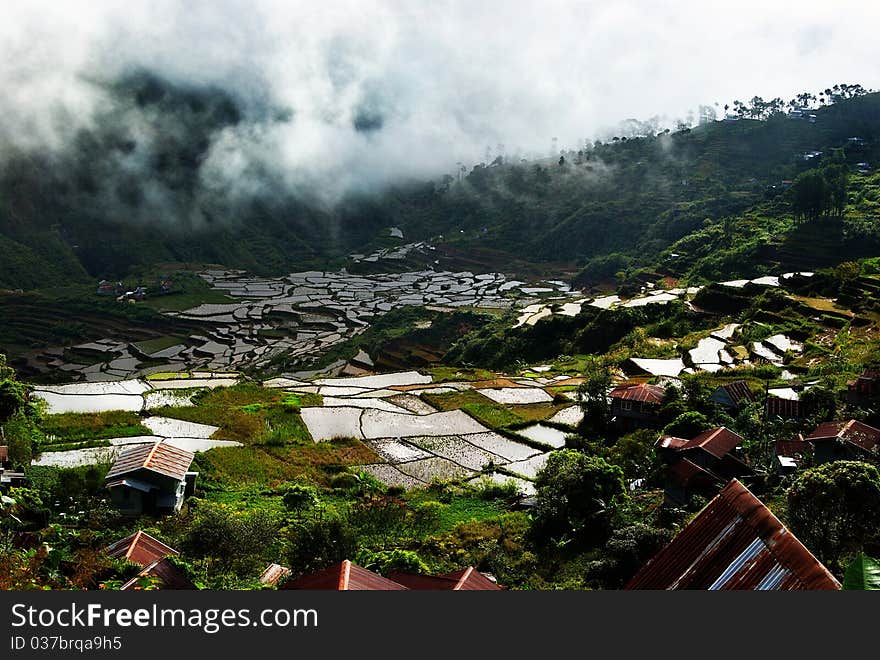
341 97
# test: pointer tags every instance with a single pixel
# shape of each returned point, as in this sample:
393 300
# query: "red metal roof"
670 442
141 548
739 391
639 392
466 579
735 542
688 473
159 457
169 576
794 448
273 573
855 432
344 576
785 408
718 441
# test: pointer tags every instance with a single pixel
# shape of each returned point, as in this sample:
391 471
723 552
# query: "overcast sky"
447 78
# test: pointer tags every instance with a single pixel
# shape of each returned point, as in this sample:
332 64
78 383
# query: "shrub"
299 497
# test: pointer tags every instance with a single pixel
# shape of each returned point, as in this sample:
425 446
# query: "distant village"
137 294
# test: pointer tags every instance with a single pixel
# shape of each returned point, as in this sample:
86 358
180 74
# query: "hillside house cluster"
702 464
159 570
347 576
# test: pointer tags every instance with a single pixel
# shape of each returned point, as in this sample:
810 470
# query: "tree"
18 417
231 539
593 394
687 425
836 176
12 398
811 195
634 454
820 402
577 496
834 508
318 543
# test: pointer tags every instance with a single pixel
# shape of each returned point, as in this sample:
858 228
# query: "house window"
626 405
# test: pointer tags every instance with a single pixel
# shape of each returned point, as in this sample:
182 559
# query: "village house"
346 576
466 579
273 574
792 454
850 440
776 407
865 389
735 542
635 405
733 396
161 574
139 548
151 479
153 557
701 465
8 478
343 576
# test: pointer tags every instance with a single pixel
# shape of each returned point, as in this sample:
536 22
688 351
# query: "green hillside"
88 212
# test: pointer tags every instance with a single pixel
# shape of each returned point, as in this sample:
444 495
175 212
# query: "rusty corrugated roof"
639 392
670 442
794 448
141 548
739 391
735 542
688 473
718 441
852 431
344 576
273 573
785 408
158 457
466 579
169 576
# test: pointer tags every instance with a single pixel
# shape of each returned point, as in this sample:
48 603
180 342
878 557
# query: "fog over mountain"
328 98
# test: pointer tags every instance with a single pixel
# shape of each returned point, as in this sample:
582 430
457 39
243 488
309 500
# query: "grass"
268 466
194 292
284 425
249 414
151 346
492 415
73 427
453 374
460 510
456 400
823 305
486 411
169 375
67 446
